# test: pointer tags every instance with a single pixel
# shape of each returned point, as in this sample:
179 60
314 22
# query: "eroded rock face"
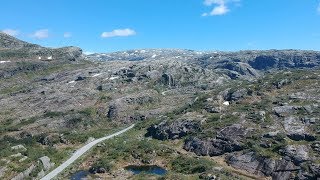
172 130
227 140
167 79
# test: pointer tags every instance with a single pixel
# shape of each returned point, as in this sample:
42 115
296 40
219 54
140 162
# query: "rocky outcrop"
296 130
235 95
297 153
286 110
281 83
141 100
112 112
172 130
262 166
25 174
229 139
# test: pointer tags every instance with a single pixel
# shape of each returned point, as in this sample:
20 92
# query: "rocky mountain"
200 115
234 64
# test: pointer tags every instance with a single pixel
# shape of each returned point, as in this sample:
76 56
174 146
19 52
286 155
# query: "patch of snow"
39 57
49 57
114 77
153 56
226 103
1 62
71 82
96 75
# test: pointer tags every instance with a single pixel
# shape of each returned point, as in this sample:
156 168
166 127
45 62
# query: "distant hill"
10 42
12 48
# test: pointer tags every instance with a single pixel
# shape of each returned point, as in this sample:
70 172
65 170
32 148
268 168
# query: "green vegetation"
190 165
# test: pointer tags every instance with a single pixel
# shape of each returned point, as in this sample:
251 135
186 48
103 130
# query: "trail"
80 152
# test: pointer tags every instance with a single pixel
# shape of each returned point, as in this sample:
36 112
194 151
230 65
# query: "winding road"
80 152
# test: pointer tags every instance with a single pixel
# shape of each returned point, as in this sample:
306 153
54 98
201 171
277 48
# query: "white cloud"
11 32
219 10
88 52
211 2
118 32
220 6
67 35
41 34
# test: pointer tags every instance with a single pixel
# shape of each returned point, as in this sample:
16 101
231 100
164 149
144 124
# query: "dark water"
79 175
146 169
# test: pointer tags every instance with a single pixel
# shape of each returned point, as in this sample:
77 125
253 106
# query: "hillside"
207 115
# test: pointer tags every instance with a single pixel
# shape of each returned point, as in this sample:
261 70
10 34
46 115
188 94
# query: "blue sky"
113 25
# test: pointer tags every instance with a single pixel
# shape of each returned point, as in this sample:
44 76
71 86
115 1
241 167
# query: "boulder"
281 83
19 147
80 78
47 164
44 140
282 111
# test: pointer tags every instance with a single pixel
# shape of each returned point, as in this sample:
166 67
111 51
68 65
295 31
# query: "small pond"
79 175
146 169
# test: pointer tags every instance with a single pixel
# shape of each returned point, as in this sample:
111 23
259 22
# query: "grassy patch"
190 165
